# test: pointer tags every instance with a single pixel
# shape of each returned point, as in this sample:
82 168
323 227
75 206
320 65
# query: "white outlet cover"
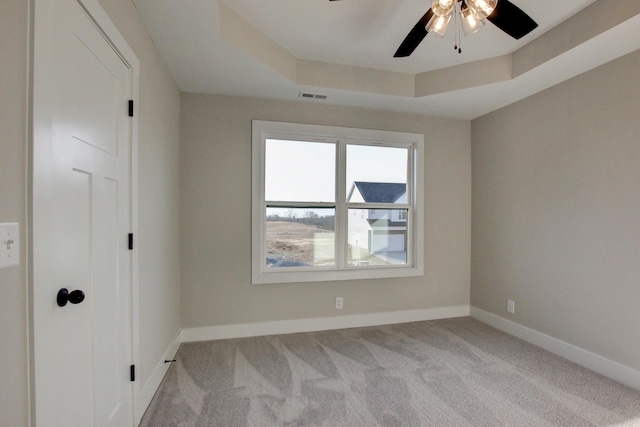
9 244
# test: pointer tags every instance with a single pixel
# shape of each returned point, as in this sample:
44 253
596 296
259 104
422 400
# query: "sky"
305 171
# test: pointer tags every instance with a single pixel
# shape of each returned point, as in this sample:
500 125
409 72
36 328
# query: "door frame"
39 126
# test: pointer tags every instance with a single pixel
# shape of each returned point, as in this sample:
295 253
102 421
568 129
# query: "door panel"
93 70
81 218
108 346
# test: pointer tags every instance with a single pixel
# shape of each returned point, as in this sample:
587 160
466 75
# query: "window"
334 203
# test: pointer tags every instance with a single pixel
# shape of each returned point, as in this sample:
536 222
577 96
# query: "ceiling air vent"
309 95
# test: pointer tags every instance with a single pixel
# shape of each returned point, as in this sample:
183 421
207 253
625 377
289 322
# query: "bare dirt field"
291 244
295 241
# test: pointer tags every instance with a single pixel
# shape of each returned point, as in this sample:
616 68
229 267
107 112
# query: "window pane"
298 237
298 171
376 174
377 237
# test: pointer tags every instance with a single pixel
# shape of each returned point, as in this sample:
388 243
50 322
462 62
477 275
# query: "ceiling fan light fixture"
443 7
483 7
438 24
509 18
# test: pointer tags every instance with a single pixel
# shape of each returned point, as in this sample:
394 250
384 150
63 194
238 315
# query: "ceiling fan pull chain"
455 26
458 15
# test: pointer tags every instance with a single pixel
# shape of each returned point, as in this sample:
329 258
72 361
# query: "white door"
81 220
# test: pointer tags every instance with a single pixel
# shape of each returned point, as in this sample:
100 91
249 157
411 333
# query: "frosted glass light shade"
443 7
471 20
484 7
438 24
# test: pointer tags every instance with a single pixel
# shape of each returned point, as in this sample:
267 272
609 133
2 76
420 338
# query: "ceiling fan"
501 13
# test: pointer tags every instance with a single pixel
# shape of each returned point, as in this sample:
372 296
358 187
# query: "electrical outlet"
511 306
339 303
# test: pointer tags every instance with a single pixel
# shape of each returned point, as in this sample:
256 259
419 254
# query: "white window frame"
263 130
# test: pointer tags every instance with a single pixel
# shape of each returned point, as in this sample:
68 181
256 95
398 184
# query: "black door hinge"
132 372
131 108
130 241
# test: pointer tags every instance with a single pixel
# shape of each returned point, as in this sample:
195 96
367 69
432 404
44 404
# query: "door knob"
74 297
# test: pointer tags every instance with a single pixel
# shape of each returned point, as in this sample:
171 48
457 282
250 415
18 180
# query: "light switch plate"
9 244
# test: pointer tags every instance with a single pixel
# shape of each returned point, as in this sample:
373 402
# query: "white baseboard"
320 324
614 370
146 393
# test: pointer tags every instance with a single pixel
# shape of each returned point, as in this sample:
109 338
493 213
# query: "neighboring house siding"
378 231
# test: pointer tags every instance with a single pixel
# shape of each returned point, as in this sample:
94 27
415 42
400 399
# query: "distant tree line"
309 218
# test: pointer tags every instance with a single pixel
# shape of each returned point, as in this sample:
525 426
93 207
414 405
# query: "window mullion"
413 201
341 208
386 206
288 204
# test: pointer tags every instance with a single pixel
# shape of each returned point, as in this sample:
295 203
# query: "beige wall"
13 152
216 216
556 211
159 110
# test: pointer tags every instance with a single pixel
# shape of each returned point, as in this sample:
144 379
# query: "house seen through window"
335 203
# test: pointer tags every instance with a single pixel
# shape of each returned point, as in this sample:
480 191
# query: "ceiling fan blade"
512 20
415 36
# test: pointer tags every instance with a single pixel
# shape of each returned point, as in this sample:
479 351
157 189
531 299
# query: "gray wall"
159 110
13 154
556 211
216 216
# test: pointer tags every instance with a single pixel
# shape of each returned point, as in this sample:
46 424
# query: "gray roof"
380 192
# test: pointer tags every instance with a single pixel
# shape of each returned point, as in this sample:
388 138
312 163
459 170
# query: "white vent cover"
309 95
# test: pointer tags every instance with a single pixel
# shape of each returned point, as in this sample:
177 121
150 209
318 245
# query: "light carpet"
454 372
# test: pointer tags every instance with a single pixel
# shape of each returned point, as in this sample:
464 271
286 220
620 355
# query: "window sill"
353 273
